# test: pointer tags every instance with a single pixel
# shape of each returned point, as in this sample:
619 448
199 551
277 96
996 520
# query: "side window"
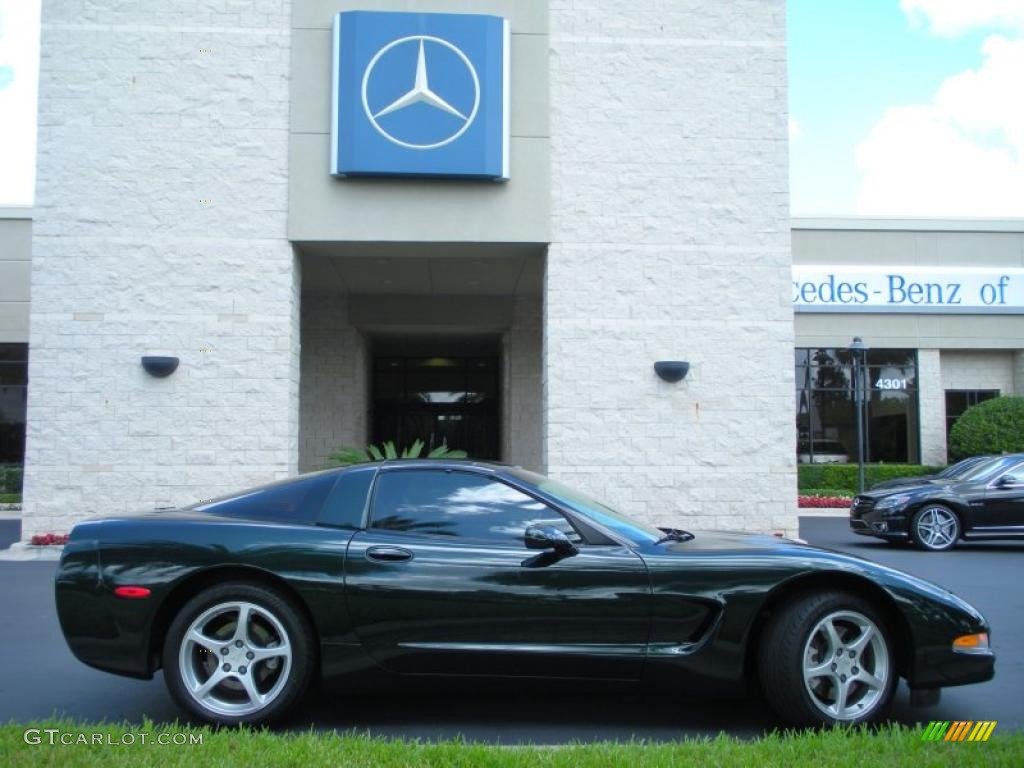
347 502
293 501
459 504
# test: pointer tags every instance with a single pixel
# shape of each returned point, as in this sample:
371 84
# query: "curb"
823 512
21 551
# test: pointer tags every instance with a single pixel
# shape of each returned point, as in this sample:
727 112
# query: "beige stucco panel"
322 207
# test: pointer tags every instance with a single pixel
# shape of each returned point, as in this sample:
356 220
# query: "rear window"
290 501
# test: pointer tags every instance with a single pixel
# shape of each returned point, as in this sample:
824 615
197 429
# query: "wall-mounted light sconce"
159 366
672 370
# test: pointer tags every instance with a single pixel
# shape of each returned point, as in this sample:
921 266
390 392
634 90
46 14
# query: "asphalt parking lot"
40 678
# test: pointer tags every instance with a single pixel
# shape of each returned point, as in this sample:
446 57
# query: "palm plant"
348 455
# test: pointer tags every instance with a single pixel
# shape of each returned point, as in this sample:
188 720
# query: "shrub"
821 502
843 477
347 455
994 426
47 539
11 476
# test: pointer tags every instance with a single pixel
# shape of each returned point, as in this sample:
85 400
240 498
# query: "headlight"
890 503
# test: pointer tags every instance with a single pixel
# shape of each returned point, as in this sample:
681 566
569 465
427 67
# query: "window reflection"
13 394
826 406
439 400
443 503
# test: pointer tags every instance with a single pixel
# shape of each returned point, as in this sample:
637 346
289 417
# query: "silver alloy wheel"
235 658
936 528
846 665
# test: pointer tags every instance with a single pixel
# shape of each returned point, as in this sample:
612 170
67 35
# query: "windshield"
602 514
986 470
962 468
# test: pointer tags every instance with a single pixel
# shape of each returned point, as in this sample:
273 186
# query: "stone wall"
978 370
671 240
160 227
522 386
335 381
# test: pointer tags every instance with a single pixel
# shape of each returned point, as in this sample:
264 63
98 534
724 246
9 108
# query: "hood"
919 484
733 541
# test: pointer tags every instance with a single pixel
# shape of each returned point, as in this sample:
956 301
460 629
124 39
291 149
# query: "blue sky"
897 107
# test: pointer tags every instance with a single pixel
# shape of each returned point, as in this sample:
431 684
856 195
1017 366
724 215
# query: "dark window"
826 406
959 400
347 502
441 503
13 395
294 501
449 401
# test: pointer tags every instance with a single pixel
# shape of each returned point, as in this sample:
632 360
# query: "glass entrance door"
449 401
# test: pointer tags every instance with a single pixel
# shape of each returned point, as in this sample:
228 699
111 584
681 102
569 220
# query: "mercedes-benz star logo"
421 93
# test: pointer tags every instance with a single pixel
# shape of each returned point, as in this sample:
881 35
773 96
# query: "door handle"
388 554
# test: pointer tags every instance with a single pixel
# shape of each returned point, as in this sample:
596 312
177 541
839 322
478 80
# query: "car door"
441 582
1002 508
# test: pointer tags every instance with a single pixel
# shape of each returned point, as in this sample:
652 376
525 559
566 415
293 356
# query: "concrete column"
1018 372
522 436
160 227
334 391
932 406
671 240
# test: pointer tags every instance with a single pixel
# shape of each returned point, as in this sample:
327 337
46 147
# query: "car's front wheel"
238 653
827 659
935 528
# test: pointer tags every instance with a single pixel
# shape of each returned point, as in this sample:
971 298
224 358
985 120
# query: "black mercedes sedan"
396 572
985 502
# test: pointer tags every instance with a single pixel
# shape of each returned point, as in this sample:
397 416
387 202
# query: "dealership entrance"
434 342
440 400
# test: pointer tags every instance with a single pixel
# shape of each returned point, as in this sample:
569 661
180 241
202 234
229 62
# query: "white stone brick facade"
978 370
162 222
671 241
160 227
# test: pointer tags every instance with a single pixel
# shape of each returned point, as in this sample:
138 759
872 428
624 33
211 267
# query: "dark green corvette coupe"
410 570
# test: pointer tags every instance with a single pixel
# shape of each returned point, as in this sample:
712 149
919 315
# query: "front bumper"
941 667
893 526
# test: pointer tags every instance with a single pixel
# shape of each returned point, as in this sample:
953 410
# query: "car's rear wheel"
935 528
238 653
827 659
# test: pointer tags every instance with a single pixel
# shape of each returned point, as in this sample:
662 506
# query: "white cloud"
954 17
960 155
795 129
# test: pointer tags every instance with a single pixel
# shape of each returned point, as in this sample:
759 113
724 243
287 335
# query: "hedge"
843 477
10 478
994 426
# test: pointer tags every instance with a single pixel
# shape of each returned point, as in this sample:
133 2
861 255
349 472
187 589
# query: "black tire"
791 636
925 526
286 679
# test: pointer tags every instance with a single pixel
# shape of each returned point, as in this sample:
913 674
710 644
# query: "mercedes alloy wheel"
936 528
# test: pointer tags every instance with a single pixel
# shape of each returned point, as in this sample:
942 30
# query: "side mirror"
1010 481
548 537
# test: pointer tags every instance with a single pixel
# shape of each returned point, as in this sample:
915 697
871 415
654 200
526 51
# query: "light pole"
859 350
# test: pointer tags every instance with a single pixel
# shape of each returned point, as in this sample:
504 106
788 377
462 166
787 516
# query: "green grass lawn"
10 498
253 748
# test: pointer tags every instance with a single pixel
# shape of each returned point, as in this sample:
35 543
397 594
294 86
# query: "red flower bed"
49 538
836 502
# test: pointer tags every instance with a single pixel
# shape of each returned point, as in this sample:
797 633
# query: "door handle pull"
388 554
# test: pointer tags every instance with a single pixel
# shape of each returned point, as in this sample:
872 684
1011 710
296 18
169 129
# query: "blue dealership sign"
420 94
